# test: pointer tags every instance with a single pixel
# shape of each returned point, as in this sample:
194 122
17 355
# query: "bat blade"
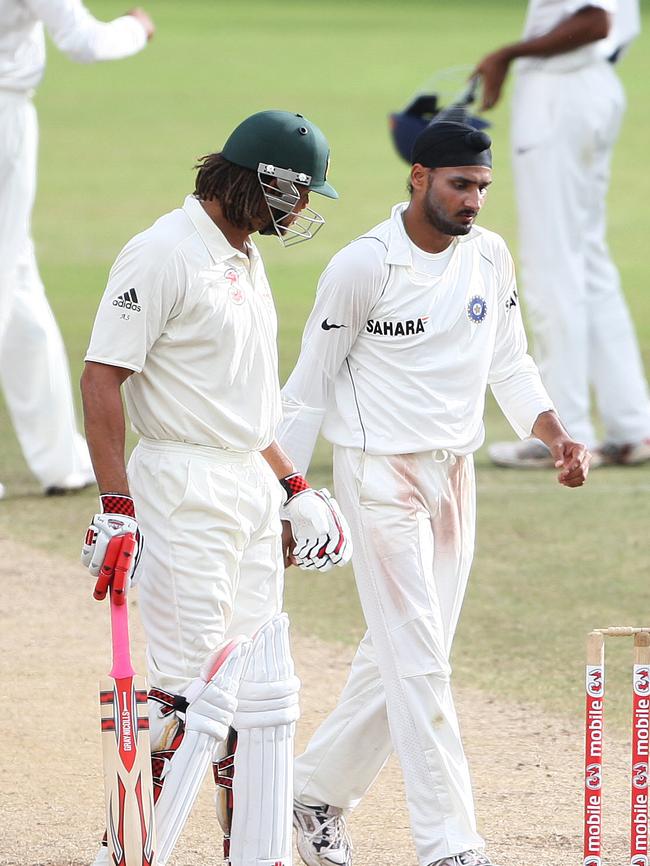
130 826
127 771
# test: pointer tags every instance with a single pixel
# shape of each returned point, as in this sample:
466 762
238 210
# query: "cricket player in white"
188 325
567 108
411 322
33 366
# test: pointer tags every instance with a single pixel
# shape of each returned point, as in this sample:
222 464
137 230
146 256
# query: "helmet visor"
324 188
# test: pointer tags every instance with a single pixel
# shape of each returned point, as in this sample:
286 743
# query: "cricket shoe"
72 483
631 454
467 858
529 454
321 835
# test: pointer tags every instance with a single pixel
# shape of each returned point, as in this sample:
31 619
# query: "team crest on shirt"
477 309
236 294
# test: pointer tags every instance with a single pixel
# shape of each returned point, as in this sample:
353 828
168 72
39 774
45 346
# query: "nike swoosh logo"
325 325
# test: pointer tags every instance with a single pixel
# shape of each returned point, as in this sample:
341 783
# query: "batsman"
186 330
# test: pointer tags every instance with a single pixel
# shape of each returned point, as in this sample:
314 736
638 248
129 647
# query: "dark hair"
237 189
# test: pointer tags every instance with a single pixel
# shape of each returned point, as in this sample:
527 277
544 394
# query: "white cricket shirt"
394 361
73 30
544 15
195 319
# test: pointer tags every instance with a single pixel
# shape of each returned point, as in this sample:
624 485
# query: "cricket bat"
130 828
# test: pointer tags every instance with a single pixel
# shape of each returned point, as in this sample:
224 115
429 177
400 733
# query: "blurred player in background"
188 326
33 365
411 322
567 109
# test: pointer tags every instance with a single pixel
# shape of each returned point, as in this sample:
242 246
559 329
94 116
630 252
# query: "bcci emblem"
477 309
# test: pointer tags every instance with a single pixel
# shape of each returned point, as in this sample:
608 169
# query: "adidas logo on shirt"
129 300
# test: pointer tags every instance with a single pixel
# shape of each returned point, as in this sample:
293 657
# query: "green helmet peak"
282 140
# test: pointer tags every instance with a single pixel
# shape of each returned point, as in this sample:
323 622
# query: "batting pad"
212 699
102 856
267 712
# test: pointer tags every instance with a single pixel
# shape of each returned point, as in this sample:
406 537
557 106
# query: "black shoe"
467 858
72 484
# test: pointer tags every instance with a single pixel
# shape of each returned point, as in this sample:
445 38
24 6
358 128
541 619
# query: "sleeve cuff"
298 431
112 362
135 30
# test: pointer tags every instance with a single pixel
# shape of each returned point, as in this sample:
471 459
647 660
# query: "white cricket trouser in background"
412 521
212 565
564 127
33 366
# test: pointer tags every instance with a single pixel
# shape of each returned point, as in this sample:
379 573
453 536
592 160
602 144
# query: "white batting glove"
117 518
320 530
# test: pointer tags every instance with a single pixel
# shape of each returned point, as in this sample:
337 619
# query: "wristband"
293 485
117 503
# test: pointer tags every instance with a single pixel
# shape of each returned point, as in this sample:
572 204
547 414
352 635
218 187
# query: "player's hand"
320 531
116 567
288 544
493 70
117 518
145 20
572 459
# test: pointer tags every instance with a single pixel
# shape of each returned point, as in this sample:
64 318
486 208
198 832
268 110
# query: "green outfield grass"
118 142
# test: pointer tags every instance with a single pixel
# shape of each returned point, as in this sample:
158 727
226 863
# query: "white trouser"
33 365
564 127
412 523
212 565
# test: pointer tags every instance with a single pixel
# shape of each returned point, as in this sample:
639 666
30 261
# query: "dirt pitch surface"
54 646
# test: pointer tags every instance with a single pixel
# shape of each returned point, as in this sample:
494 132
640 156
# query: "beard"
441 221
275 225
268 229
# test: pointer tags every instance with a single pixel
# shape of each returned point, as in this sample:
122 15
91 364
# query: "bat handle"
122 666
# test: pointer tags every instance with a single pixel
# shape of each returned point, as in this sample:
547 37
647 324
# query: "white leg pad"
212 699
102 856
267 712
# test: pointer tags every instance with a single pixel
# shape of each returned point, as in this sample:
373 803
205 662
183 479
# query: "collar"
399 244
211 234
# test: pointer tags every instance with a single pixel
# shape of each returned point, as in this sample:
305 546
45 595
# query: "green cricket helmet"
287 151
